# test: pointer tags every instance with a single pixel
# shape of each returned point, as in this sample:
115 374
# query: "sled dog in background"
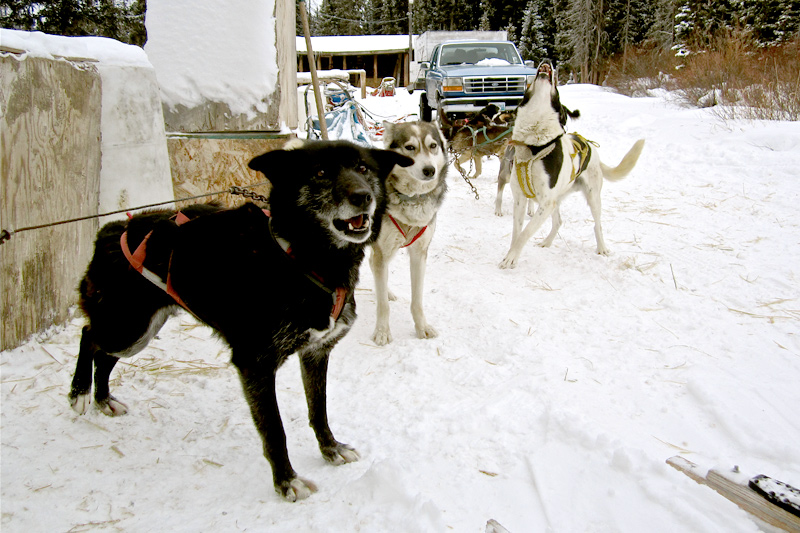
414 194
486 133
326 205
549 164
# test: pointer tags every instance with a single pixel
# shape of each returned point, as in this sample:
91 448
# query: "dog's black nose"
429 171
360 198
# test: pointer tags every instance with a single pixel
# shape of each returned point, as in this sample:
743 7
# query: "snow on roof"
102 49
203 53
354 44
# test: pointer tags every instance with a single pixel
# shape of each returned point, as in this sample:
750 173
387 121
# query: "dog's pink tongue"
357 222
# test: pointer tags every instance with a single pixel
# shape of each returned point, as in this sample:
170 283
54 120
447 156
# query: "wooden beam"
741 495
362 79
323 127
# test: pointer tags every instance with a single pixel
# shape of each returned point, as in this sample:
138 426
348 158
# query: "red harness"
136 259
404 234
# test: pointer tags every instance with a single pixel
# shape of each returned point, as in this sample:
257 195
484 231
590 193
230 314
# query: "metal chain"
243 191
463 174
475 145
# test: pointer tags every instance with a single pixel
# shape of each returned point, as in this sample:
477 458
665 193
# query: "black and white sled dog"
550 163
414 194
507 160
298 267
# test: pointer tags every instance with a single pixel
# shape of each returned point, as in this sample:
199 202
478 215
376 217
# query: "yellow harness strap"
580 150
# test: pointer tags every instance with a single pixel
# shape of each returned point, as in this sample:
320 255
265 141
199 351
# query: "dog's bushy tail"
626 165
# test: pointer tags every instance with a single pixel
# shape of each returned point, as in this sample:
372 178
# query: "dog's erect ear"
388 132
387 159
277 163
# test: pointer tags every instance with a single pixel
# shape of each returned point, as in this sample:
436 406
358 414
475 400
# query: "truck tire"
425 111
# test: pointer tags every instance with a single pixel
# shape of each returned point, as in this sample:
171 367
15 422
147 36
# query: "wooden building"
380 56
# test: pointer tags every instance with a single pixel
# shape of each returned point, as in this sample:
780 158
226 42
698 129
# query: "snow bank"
207 52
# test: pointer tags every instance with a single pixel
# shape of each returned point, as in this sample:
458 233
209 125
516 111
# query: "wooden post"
323 126
741 495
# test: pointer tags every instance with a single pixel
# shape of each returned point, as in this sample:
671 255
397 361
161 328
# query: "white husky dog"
550 163
413 195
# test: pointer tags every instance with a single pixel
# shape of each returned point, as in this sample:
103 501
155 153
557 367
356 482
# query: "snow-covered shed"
380 56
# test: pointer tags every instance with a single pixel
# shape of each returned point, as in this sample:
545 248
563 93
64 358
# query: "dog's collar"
339 294
412 197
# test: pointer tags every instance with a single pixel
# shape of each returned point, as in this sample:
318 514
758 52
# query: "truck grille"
494 84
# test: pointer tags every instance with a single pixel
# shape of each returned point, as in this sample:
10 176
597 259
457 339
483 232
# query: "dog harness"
136 259
404 233
580 151
477 131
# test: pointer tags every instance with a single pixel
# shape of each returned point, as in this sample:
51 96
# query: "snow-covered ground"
549 402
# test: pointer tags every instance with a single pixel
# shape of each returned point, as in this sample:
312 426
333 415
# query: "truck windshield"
479 53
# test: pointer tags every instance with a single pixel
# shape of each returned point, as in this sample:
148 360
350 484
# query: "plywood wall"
49 171
208 163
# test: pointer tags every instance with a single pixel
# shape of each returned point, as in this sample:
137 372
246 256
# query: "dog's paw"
296 489
509 262
603 250
112 407
427 332
80 402
392 296
498 212
382 336
340 454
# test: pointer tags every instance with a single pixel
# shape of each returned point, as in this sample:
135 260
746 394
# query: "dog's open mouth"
357 226
545 71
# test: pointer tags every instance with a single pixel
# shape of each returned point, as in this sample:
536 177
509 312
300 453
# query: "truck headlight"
529 80
452 85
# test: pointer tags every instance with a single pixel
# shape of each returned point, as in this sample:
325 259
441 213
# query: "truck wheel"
425 111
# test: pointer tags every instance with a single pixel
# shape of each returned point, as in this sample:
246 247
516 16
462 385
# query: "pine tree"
531 42
698 22
770 22
339 17
393 17
107 18
661 30
18 14
586 37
